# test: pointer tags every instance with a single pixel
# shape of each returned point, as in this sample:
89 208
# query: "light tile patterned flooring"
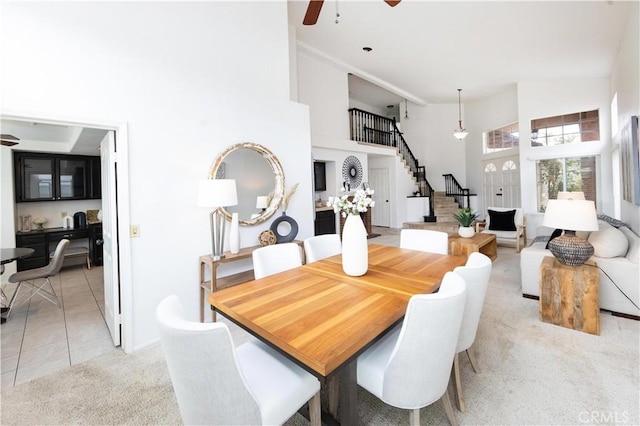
40 338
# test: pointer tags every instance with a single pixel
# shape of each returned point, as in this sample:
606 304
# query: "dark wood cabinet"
325 222
56 177
44 242
95 244
319 176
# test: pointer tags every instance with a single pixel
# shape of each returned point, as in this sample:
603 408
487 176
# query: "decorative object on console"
352 172
25 223
460 133
234 234
465 218
266 238
355 252
571 215
293 225
92 216
217 193
261 202
39 222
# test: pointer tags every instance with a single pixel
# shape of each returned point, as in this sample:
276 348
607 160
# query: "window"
563 129
500 139
490 168
509 165
565 174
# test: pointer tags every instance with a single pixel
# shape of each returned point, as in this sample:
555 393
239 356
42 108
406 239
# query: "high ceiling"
425 50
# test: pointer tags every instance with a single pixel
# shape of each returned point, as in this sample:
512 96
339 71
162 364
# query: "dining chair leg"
334 393
314 410
414 417
458 382
446 401
472 360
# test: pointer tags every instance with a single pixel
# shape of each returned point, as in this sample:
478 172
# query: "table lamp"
261 202
217 193
570 195
571 215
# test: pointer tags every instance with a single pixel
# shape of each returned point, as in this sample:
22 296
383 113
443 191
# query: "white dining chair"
269 260
425 240
216 383
321 246
410 366
38 280
476 273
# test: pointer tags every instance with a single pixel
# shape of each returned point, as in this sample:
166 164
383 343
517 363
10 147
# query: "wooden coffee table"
483 243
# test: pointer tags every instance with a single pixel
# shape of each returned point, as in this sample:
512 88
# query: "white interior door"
110 236
501 182
379 182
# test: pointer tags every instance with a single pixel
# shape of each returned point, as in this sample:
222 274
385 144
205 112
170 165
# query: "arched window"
509 165
490 167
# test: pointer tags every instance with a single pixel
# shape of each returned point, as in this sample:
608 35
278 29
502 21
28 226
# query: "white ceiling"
425 50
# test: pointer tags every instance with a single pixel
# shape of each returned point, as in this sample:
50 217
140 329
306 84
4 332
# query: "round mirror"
259 181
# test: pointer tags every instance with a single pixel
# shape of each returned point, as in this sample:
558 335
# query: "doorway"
118 290
501 182
379 182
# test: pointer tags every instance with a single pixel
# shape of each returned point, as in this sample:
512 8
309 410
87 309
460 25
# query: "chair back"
418 370
57 260
425 240
321 246
276 258
476 275
204 370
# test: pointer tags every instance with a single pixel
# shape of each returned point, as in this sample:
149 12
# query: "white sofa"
618 264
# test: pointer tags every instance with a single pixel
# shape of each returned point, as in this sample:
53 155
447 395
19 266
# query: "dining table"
322 319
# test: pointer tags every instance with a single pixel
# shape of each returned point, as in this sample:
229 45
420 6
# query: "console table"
216 283
569 295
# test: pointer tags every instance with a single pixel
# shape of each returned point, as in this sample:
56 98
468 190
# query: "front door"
501 182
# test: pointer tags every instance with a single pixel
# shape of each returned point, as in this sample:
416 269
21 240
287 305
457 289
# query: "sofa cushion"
633 254
608 242
502 221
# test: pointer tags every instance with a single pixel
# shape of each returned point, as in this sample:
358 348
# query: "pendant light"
406 110
460 133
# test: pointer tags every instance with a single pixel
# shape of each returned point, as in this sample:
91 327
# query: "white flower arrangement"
359 204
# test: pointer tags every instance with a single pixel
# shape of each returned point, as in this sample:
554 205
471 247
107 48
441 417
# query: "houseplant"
465 218
355 252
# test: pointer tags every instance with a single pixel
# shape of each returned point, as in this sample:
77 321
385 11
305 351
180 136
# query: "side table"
569 295
483 243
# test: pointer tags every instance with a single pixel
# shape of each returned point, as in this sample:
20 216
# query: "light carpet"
532 373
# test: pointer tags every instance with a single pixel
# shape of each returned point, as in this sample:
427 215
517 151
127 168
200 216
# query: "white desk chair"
410 366
425 240
321 246
217 384
30 277
269 260
476 275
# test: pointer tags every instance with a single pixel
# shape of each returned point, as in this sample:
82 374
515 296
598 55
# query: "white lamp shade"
566 195
574 215
261 202
460 134
217 193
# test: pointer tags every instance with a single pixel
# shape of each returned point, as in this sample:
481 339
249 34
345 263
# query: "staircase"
443 209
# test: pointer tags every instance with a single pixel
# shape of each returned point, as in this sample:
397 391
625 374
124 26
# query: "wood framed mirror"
258 173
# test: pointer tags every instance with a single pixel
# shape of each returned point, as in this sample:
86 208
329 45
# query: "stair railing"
455 190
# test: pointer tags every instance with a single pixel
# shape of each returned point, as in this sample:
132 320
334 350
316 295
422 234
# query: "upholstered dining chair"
321 246
410 366
425 240
269 260
38 279
476 273
216 383
509 225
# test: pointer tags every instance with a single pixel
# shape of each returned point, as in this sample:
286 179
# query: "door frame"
122 193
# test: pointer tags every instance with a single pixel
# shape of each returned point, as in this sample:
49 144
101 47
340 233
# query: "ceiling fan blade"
313 12
392 3
8 140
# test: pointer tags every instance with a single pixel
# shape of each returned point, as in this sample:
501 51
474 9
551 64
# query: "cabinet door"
72 178
40 256
95 189
35 178
319 176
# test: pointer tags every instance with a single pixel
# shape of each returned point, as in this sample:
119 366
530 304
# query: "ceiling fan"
8 140
313 10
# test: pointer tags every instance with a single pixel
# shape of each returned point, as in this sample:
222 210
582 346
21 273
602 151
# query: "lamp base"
570 250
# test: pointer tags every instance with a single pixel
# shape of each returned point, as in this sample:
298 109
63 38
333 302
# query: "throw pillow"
555 234
608 242
502 221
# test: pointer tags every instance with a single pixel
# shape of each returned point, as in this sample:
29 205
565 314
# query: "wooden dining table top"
323 318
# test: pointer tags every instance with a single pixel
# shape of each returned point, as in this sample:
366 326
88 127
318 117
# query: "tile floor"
40 338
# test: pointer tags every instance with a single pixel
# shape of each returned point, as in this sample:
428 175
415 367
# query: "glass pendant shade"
460 133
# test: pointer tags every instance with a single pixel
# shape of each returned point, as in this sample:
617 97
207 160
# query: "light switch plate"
134 231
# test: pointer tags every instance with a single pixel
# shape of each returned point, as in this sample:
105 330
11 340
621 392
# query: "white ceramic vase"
234 234
466 231
355 252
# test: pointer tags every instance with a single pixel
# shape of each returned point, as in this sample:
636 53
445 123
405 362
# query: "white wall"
626 83
189 79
